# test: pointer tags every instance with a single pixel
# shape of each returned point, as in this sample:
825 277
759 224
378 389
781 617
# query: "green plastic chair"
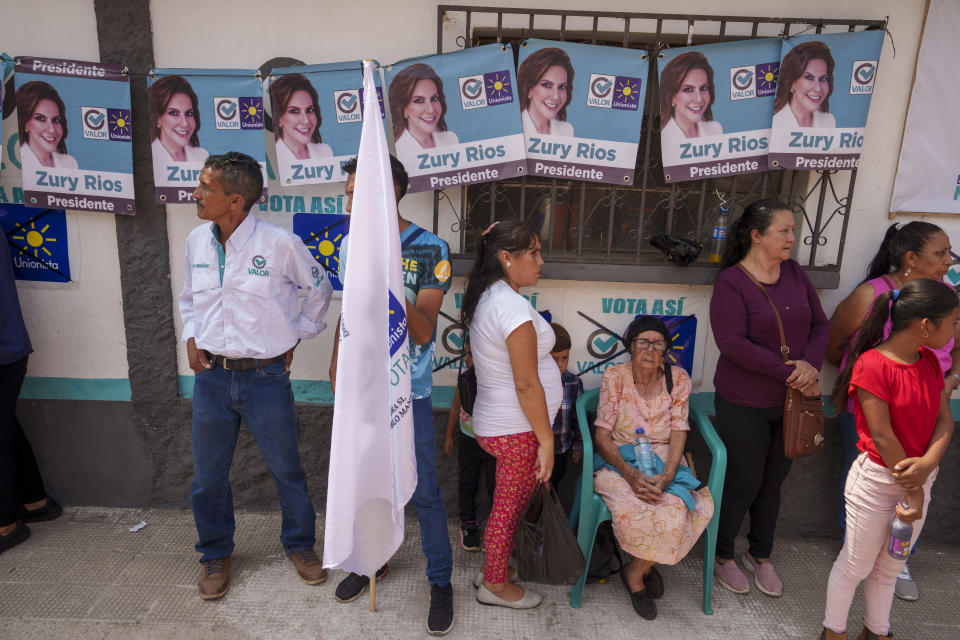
589 509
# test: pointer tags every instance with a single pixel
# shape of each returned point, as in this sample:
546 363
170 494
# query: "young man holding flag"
426 277
383 446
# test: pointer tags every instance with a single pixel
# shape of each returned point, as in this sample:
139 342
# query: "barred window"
593 231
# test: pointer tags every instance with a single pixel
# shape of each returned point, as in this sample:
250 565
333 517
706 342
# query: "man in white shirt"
241 324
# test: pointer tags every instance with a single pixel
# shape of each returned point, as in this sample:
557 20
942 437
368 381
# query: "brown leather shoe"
214 578
309 567
866 634
832 635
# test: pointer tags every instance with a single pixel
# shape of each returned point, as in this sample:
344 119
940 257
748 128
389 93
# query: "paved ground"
86 576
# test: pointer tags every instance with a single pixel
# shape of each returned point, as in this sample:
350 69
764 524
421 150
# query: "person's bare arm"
333 358
522 349
641 485
422 316
847 318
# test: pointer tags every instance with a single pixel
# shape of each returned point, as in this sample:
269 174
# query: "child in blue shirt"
567 443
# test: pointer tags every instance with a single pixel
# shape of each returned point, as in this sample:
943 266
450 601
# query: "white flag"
373 469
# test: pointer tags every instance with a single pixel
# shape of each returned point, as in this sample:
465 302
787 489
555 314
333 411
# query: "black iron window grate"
595 231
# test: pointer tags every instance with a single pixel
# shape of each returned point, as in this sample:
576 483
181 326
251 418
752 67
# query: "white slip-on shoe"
528 601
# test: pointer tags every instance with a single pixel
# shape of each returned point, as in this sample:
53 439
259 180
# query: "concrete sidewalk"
86 576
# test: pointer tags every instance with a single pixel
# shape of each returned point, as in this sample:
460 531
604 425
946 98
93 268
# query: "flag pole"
373 593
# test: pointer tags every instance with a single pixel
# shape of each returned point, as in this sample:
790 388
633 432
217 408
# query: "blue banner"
456 117
74 134
581 109
195 113
823 97
317 113
322 234
38 242
715 105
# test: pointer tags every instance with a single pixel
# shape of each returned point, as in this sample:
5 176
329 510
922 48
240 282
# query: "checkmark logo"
603 87
259 262
94 118
457 340
747 76
473 88
349 101
865 73
953 276
605 345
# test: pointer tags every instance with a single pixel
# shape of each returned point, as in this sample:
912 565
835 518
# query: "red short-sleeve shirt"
911 391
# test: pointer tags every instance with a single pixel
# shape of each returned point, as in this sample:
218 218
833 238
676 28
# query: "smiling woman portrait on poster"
174 122
295 106
42 123
418 107
804 88
545 87
687 94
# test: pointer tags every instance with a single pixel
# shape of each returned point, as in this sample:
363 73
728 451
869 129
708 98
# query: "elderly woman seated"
656 519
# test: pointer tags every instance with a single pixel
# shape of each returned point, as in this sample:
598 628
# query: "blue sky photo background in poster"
483 140
230 108
737 138
96 172
834 137
322 234
38 244
339 91
598 141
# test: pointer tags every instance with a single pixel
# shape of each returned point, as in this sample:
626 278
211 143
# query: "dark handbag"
545 547
467 386
802 416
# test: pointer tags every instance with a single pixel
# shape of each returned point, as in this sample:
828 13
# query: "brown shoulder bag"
802 415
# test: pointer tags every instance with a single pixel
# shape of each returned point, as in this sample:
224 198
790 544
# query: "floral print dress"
662 532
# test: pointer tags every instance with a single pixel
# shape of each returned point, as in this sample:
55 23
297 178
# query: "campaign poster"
73 125
581 107
196 113
823 97
317 113
37 240
715 105
455 117
928 171
322 234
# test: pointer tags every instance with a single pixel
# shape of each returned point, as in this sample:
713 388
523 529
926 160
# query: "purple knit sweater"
750 371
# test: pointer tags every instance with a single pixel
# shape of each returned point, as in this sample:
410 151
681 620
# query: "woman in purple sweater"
751 380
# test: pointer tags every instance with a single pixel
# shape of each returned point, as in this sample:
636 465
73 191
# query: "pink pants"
516 456
872 495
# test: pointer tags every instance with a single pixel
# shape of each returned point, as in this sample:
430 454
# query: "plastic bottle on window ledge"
719 236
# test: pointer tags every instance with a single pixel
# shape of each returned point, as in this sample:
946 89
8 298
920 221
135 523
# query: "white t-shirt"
497 411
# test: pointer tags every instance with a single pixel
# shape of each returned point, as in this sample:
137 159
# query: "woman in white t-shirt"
518 391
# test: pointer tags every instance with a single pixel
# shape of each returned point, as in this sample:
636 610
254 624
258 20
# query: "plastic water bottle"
719 236
898 546
643 451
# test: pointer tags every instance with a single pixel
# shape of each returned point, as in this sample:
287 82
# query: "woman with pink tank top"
908 251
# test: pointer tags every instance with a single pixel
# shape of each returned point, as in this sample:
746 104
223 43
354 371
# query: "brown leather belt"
241 364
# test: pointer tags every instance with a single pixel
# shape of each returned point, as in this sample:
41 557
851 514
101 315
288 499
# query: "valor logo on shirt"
259 262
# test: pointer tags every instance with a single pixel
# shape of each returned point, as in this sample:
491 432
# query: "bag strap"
784 349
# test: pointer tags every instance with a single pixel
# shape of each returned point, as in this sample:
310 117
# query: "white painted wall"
247 36
246 33
76 328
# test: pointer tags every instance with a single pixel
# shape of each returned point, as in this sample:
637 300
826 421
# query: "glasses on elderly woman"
643 344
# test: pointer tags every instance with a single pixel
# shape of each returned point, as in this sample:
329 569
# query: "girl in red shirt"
904 425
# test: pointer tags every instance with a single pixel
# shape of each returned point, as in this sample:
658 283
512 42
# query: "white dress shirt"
250 310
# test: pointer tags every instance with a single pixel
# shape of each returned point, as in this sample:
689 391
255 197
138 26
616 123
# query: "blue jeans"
431 511
263 399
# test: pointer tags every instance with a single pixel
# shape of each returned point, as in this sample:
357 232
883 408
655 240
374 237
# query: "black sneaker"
50 511
20 533
469 536
353 586
440 618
